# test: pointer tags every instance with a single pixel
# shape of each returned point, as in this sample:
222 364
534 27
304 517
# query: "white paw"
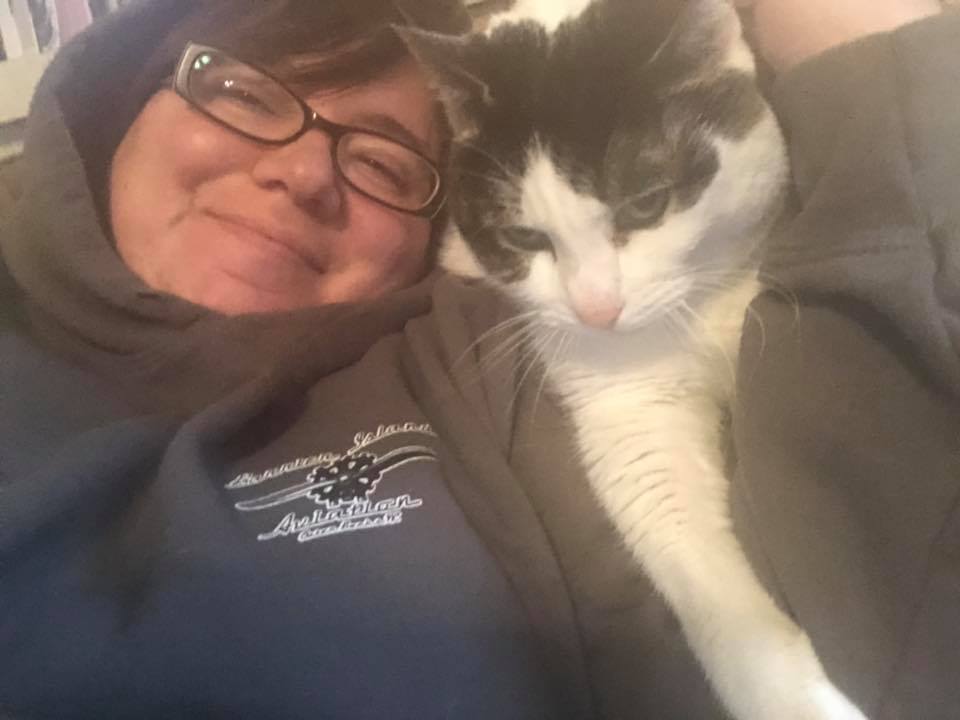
787 684
831 704
821 701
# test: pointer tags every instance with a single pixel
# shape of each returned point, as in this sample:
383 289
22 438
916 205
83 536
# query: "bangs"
314 43
342 68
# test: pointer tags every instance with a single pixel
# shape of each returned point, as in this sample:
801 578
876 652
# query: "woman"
220 492
237 507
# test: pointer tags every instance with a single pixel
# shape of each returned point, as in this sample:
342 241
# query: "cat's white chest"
696 348
647 410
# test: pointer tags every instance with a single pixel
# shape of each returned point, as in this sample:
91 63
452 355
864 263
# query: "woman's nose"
304 169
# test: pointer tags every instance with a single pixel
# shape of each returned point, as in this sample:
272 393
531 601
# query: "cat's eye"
525 239
644 209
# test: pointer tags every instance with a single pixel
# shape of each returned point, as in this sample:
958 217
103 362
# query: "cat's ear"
702 31
444 60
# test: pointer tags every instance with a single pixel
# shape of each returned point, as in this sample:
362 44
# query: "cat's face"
609 165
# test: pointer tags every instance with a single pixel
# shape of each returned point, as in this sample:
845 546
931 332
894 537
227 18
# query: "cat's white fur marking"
580 227
549 13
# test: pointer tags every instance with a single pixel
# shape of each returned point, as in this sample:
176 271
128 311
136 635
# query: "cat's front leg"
760 662
670 504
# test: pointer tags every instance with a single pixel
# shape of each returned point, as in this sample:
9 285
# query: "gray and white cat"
615 169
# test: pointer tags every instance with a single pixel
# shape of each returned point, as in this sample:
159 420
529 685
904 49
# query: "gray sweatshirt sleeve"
847 424
875 151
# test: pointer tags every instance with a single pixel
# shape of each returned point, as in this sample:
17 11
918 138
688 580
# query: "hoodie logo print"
343 488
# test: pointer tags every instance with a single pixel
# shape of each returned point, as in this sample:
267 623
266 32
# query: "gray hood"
77 297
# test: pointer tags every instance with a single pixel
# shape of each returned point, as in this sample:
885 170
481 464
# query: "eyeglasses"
251 102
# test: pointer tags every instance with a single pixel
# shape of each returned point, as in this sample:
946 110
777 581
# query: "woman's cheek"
408 250
412 257
207 151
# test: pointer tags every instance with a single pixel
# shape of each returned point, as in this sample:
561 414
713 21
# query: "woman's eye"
525 239
238 93
384 173
644 209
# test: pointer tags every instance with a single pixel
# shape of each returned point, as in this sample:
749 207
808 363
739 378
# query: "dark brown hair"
318 43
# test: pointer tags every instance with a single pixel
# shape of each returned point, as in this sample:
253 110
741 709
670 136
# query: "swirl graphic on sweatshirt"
348 480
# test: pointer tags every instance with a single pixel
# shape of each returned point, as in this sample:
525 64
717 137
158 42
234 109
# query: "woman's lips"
263 260
294 244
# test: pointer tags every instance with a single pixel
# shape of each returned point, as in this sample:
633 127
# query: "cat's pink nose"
598 314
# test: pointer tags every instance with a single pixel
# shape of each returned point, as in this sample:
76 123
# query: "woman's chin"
234 295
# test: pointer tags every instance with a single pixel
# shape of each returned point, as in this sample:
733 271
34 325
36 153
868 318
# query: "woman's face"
205 214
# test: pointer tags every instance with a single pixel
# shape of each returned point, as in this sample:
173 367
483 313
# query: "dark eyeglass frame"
311 121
